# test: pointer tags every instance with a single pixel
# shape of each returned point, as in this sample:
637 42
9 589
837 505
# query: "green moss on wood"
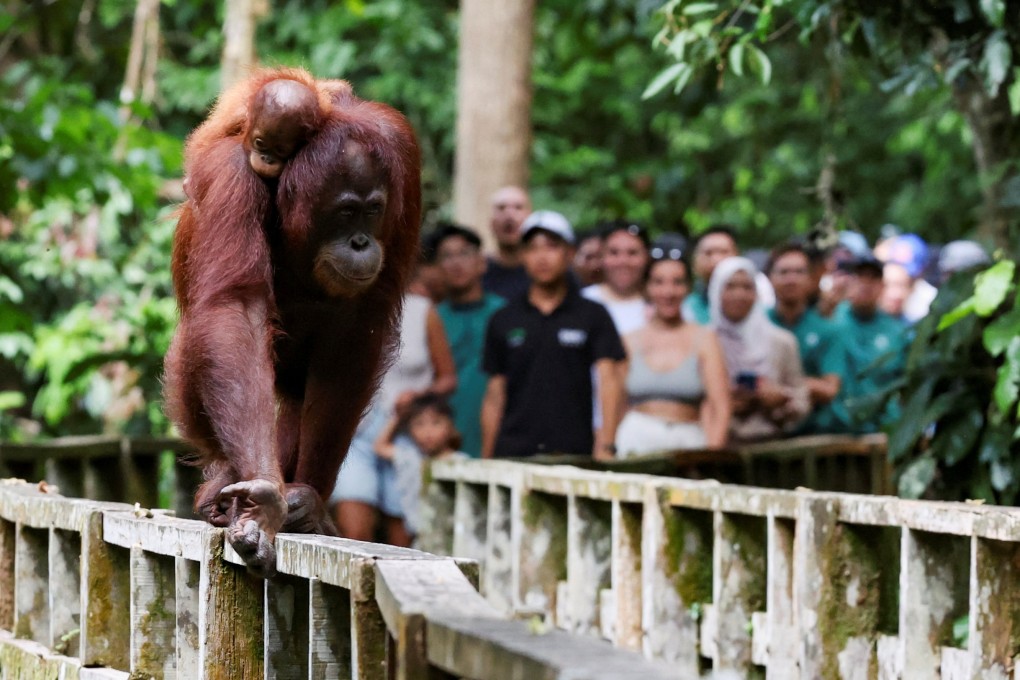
689 553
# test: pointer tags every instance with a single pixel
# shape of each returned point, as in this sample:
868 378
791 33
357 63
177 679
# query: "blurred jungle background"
774 116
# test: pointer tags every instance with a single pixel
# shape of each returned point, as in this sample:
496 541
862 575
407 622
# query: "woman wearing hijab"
769 395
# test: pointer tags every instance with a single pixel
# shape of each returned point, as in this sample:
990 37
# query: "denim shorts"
365 477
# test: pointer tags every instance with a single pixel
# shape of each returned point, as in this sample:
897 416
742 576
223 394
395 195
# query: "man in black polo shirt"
539 353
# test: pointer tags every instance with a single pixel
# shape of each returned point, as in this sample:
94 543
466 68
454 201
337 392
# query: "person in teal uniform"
876 344
714 245
822 351
465 314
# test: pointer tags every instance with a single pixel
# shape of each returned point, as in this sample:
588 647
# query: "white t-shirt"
627 315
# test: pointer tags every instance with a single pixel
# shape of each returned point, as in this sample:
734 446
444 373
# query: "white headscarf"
746 344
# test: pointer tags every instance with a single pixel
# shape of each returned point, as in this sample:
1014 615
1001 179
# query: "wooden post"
543 551
31 590
287 610
64 591
7 550
589 551
470 521
230 617
498 575
781 655
153 615
626 575
329 648
933 593
994 624
676 580
738 586
105 598
188 578
368 630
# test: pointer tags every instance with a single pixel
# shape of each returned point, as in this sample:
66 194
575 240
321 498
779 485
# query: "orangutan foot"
306 513
257 513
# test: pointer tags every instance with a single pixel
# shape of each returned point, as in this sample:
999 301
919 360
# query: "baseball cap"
910 251
550 221
960 255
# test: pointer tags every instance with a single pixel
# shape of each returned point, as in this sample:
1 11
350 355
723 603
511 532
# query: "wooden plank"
589 562
153 615
330 636
407 594
994 608
31 591
626 575
502 557
472 648
369 637
781 633
159 534
542 554
470 521
739 586
328 558
287 610
106 598
438 516
188 577
816 522
676 581
64 592
8 531
230 617
934 577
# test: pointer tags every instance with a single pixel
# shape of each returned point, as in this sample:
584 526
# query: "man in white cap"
539 353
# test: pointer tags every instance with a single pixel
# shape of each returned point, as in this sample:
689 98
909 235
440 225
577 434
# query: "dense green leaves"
959 433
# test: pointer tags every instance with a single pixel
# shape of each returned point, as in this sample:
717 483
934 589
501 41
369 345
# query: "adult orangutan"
289 263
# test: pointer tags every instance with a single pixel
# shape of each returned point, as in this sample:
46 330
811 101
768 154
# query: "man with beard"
504 273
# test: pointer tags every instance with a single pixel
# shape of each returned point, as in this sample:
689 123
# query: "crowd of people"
611 344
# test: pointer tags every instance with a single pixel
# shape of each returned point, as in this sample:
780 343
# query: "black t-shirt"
506 282
547 361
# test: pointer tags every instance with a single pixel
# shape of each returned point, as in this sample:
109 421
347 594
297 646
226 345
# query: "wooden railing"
101 590
105 468
780 584
847 463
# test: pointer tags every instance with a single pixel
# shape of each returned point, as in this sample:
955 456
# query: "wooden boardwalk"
96 590
786 584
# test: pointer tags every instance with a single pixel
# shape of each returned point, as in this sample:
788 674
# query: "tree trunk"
493 105
143 56
995 149
239 39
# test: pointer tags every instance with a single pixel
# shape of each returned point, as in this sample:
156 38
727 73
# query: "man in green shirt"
822 352
465 314
876 343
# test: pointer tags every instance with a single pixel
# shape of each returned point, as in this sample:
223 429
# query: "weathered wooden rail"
781 584
94 590
105 468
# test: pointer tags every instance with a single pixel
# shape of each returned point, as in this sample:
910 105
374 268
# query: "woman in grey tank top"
677 386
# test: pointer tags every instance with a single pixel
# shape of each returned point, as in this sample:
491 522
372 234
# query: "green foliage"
925 56
959 434
85 313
